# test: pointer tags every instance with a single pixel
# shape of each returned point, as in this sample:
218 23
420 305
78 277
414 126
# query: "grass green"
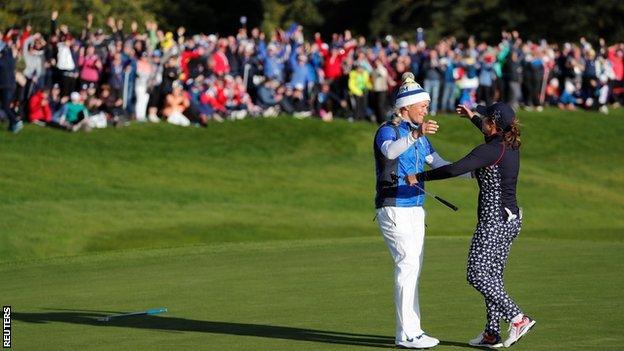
258 235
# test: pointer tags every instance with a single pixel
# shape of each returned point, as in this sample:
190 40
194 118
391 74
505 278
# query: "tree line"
556 20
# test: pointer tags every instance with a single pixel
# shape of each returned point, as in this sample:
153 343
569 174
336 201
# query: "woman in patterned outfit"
495 164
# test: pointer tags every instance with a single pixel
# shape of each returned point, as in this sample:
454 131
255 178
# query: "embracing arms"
392 148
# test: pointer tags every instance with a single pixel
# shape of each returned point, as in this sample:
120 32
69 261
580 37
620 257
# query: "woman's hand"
411 180
464 111
428 127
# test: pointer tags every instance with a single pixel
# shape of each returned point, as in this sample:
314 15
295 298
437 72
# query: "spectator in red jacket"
332 67
616 57
219 61
38 108
191 53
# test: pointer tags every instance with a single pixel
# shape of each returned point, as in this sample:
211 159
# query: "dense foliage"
558 20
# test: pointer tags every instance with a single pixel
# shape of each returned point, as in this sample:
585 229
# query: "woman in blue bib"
401 148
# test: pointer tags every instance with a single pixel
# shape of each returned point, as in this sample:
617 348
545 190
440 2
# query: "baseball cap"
501 113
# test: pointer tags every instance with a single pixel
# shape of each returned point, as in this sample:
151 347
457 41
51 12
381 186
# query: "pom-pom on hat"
410 92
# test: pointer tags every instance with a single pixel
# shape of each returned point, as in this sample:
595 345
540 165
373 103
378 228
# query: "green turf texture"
258 235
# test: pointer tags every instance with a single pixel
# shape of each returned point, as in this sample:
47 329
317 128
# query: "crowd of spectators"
101 77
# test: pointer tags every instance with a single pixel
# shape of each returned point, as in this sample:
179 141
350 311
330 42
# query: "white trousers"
142 98
178 119
403 229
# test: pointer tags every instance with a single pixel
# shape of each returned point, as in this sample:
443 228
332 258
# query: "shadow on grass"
175 324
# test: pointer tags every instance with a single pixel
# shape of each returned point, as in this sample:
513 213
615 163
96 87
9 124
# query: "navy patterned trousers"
487 258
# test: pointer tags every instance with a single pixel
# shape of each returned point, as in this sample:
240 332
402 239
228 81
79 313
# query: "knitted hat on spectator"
410 92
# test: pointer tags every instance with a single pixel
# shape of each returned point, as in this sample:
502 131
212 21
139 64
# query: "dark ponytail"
511 138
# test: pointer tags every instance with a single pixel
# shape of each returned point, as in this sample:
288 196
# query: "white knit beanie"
410 92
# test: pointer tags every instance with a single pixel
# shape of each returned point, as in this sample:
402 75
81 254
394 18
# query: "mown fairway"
257 235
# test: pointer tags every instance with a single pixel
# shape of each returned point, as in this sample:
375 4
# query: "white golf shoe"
486 340
423 341
517 330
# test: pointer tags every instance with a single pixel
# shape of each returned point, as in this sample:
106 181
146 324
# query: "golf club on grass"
151 311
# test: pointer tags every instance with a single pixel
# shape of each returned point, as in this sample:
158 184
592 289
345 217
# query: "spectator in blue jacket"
7 86
273 61
448 92
302 73
433 76
487 76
